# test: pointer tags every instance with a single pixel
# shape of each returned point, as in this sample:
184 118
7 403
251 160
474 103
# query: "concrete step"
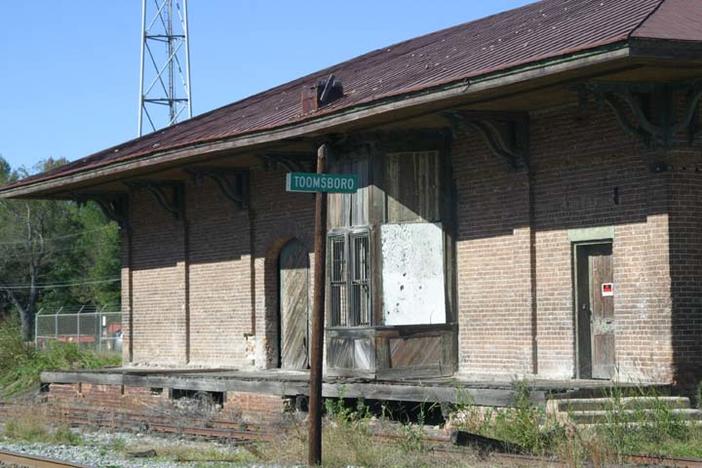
629 415
628 403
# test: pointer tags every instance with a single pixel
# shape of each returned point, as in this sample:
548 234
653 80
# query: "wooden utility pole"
317 340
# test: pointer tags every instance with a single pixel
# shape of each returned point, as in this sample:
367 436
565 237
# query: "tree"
51 253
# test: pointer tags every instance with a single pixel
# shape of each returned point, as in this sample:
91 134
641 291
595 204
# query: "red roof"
542 30
679 20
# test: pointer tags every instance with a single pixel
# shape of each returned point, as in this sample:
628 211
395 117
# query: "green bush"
21 364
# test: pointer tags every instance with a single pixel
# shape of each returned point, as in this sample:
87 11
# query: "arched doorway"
293 271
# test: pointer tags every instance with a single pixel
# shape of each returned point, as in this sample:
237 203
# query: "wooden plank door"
294 306
596 346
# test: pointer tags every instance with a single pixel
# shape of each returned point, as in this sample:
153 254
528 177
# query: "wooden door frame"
575 247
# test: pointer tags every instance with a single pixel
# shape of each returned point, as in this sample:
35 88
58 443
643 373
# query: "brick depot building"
529 204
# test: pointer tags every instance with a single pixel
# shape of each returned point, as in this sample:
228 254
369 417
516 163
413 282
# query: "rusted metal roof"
679 20
539 31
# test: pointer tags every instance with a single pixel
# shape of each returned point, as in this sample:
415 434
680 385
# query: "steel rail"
34 461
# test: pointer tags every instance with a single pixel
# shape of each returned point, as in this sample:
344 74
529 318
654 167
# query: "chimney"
322 93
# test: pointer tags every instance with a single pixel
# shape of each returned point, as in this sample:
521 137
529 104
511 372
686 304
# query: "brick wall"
686 267
256 408
278 218
219 272
211 322
158 279
589 173
138 407
579 167
493 262
515 278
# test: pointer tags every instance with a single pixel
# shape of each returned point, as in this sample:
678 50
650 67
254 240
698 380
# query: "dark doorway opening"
594 309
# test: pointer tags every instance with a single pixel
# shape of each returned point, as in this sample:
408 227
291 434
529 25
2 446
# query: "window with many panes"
349 278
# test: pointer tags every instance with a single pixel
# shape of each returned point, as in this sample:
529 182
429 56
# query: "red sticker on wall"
607 289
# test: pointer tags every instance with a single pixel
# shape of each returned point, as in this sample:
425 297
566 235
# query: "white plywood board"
413 273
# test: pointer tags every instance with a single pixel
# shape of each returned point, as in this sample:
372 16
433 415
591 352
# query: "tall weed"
21 364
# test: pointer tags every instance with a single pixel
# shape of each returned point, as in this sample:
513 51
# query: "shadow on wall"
685 221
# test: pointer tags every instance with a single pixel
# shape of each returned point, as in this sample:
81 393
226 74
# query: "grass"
353 444
192 453
627 430
21 364
33 427
657 431
349 440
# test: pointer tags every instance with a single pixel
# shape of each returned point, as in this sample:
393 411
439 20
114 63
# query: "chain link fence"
99 329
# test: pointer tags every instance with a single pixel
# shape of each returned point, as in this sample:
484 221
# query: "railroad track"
33 461
439 443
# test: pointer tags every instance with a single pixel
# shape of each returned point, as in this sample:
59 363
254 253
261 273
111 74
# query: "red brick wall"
580 167
256 408
576 166
133 407
493 262
229 297
158 277
515 291
220 277
278 218
686 269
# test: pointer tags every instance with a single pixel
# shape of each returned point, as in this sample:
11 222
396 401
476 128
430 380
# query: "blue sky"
69 69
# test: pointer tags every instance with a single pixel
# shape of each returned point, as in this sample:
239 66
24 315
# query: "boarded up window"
412 187
413 274
349 279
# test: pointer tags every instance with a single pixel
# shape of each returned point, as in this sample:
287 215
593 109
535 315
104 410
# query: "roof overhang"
571 67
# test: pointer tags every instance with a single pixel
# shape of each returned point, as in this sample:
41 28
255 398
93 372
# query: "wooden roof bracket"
506 134
648 110
170 195
233 183
114 205
289 161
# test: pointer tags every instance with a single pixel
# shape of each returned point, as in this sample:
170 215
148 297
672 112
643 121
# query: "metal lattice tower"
164 82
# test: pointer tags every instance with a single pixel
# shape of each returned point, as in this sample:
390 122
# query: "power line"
67 236
15 287
68 248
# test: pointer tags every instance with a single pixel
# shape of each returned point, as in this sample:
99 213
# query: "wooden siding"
350 209
412 187
374 352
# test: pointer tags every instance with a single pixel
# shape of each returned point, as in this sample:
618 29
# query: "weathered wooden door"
595 311
294 305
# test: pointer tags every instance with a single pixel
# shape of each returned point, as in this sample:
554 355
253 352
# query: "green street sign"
312 182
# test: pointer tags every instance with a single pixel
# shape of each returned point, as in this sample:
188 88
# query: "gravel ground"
106 449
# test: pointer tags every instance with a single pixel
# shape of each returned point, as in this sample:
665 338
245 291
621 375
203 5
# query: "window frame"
348 316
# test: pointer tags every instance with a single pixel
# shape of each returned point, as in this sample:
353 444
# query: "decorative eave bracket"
233 183
289 161
114 205
505 133
648 110
168 194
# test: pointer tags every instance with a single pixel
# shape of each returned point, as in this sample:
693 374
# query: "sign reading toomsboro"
313 182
